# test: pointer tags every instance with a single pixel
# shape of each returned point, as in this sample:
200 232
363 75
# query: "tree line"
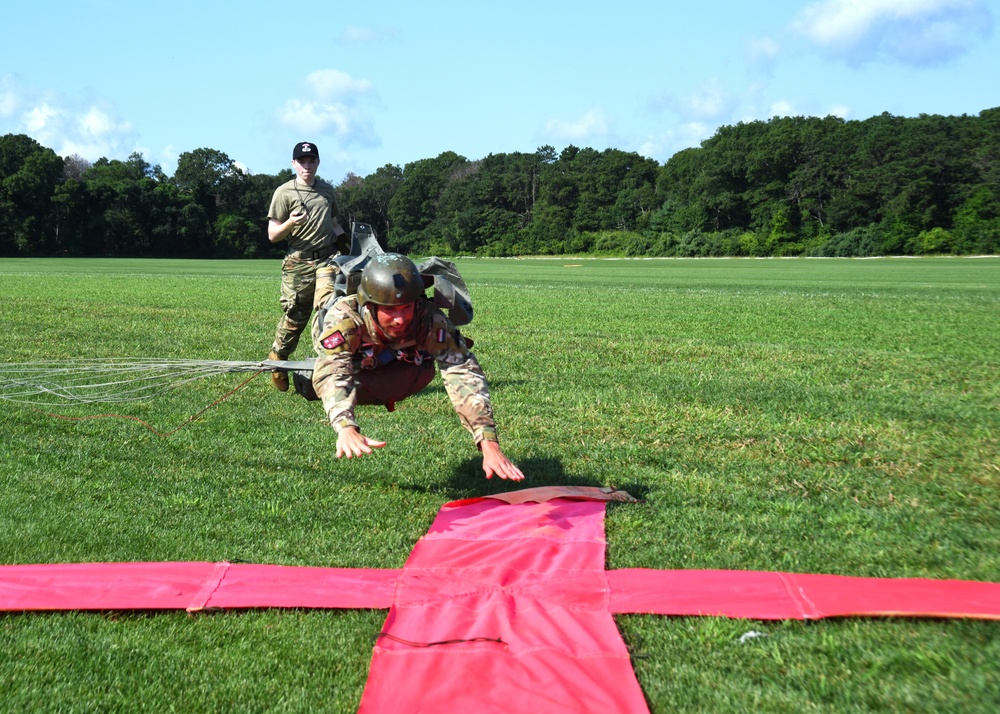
790 186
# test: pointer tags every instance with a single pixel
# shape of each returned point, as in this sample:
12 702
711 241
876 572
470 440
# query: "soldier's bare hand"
495 462
352 443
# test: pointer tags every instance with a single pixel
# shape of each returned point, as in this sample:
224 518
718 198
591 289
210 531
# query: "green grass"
834 416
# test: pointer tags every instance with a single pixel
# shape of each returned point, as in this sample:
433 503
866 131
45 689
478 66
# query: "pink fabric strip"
102 586
795 596
504 608
192 586
730 593
208 589
249 585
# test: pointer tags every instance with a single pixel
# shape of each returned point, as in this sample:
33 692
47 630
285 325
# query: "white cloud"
916 32
168 158
333 105
314 117
100 125
40 120
710 102
364 35
90 150
331 85
782 108
93 132
685 136
67 125
839 110
592 124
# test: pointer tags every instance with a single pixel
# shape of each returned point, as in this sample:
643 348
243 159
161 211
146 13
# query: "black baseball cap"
304 148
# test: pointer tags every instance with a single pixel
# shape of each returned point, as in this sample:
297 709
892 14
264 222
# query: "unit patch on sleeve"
333 340
442 334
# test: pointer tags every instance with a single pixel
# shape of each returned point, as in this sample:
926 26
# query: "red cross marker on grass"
503 606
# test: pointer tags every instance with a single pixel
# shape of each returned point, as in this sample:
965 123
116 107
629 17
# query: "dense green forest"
790 186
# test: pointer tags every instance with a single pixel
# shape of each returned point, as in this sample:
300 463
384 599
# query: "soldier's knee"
304 386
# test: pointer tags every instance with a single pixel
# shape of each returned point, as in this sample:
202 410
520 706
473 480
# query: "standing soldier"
304 212
380 346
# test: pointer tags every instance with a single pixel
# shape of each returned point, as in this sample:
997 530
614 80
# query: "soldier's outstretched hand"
351 443
495 462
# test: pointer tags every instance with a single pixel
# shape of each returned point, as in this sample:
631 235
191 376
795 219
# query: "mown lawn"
833 416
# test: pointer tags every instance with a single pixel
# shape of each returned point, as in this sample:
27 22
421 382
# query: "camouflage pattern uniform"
308 245
349 343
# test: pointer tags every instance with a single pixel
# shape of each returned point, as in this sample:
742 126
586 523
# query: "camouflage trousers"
298 284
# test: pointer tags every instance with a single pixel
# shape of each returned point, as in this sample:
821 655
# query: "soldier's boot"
279 379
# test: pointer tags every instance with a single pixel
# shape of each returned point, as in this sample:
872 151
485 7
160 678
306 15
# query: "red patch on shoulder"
333 341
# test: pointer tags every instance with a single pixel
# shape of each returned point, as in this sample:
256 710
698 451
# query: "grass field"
832 416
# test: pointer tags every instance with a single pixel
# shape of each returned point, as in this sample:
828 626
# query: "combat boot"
279 379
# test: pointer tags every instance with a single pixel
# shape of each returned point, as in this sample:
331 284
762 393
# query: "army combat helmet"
390 279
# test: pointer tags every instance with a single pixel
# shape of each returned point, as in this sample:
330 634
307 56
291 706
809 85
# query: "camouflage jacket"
347 341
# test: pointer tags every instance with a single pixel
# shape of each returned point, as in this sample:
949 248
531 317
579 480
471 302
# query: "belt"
320 254
323 253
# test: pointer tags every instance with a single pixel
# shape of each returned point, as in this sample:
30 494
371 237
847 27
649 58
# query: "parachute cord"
187 421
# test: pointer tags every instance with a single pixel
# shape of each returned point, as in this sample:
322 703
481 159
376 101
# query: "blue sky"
389 82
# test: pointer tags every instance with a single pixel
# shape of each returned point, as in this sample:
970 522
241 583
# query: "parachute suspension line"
42 386
146 424
106 380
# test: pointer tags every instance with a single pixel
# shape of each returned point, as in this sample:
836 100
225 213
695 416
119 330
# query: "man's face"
305 168
395 319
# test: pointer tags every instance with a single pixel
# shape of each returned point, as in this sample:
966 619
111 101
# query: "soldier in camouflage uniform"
380 346
304 212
